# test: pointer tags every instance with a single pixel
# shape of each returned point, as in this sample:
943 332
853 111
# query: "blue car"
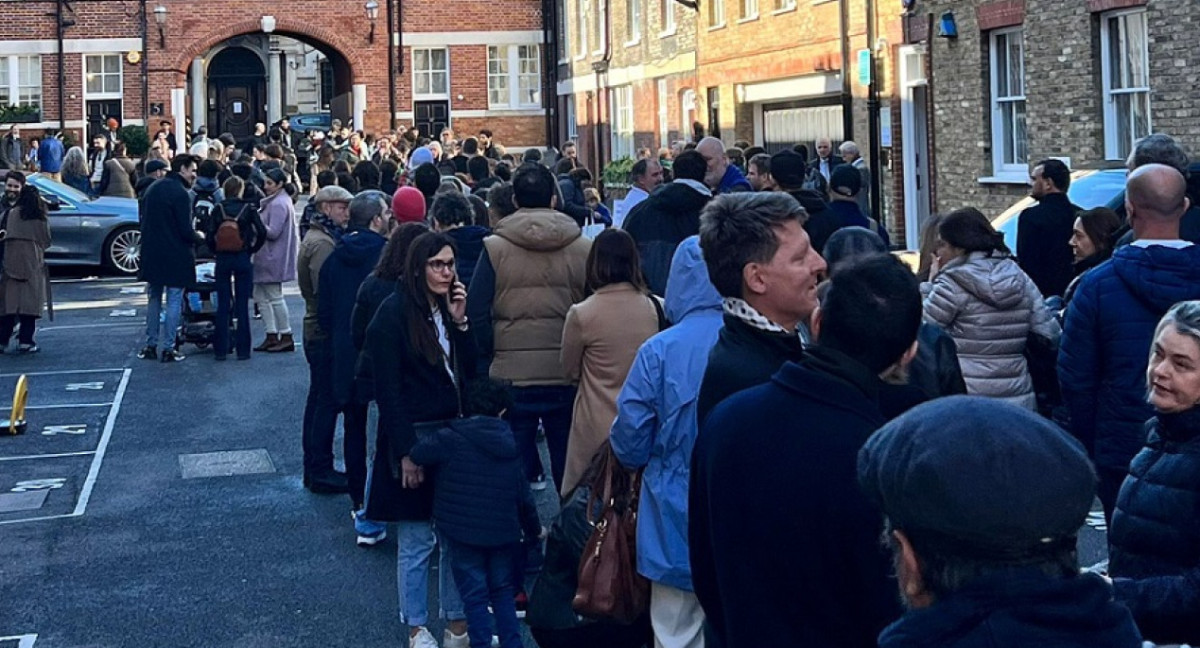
311 121
1089 189
90 231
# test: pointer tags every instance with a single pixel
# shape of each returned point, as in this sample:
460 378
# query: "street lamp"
160 17
372 7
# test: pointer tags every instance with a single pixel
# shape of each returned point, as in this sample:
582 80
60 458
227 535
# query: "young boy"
482 505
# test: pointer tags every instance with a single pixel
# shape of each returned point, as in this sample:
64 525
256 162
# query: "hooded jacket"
480 496
534 267
656 416
733 181
340 278
1020 608
573 202
989 306
1154 540
659 223
1107 333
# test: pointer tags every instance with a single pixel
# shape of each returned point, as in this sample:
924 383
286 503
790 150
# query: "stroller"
198 325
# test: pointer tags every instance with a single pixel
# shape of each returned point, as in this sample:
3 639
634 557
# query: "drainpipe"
144 27
847 91
873 114
391 58
550 20
62 68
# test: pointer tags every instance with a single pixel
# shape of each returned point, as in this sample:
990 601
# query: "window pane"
1020 146
1124 134
92 64
112 83
1140 107
420 59
438 83
1016 65
1001 71
95 83
422 84
1115 47
1135 41
112 64
438 59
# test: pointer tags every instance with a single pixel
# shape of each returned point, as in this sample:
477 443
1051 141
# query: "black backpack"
203 207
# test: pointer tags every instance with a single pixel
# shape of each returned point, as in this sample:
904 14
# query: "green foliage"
617 172
19 114
136 139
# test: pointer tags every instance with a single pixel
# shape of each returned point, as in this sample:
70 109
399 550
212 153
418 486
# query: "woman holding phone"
421 351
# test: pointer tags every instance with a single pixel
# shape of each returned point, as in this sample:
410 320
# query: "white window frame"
12 66
716 14
664 120
1114 149
564 31
688 104
782 6
622 134
583 25
430 72
512 74
572 117
666 16
633 18
120 76
749 10
1017 169
601 27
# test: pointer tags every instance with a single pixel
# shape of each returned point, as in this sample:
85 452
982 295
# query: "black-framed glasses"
438 265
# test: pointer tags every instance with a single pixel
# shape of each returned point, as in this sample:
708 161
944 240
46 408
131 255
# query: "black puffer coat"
1154 554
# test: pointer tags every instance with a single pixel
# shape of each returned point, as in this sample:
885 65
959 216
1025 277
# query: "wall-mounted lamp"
372 8
947 27
160 17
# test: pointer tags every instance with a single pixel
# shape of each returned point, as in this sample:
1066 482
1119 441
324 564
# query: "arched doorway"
237 92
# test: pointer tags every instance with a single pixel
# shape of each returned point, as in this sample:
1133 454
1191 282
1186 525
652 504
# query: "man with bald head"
722 177
1110 322
825 161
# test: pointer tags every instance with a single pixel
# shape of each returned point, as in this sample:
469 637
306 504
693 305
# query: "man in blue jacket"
656 428
1110 323
50 156
722 177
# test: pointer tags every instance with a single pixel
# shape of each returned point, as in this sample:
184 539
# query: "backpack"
202 210
229 234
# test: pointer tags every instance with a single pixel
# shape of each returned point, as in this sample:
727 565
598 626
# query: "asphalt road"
106 540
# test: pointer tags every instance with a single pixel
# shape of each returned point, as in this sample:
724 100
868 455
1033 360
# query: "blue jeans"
484 576
552 406
415 542
235 281
154 293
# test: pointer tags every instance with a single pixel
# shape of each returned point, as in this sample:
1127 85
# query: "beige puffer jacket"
989 306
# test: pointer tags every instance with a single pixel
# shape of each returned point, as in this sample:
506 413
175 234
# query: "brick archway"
326 40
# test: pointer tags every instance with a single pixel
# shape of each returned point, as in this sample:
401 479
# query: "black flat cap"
788 169
979 478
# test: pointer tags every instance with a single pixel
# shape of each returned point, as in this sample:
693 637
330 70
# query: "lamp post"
372 8
160 17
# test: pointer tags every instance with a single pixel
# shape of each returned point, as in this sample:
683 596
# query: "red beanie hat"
408 205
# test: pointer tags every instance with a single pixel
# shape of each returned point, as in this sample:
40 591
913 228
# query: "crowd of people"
734 332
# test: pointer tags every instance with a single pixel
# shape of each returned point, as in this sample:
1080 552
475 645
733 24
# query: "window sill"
633 43
747 19
783 10
1004 179
716 27
667 34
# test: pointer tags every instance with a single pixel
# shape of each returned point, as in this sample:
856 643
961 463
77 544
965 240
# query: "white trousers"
274 310
676 616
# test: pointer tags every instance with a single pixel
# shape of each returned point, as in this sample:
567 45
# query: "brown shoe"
272 340
285 344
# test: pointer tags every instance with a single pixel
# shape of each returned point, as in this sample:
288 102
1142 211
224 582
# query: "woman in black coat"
421 353
1154 552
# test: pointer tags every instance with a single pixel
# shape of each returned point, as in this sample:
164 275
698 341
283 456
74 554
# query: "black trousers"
25 335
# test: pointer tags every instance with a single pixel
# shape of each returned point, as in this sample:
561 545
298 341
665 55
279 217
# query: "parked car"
1089 189
311 121
90 231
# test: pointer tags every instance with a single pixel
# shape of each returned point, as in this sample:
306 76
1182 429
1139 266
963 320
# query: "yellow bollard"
16 423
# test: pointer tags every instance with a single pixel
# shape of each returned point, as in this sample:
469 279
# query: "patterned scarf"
738 308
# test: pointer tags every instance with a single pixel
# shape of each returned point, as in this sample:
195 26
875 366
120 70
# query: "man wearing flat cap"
983 501
333 212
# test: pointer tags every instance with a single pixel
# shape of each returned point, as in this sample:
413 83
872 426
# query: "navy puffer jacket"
1107 332
1154 557
480 495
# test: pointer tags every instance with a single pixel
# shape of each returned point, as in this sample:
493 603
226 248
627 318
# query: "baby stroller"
198 325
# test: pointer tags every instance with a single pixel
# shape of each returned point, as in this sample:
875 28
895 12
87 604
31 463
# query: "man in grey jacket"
12 150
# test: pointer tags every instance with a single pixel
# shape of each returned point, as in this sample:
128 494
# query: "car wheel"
123 251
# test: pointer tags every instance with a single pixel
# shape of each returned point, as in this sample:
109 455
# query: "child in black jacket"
483 506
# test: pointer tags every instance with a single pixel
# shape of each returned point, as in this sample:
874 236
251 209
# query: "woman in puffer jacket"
988 305
1154 540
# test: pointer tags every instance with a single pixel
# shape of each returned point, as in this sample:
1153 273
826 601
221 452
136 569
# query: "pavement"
154 504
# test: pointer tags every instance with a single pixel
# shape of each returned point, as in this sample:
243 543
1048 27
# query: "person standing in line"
1092 240
852 156
1044 230
50 155
234 270
721 177
320 417
275 263
655 429
75 170
659 223
600 339
758 173
168 255
12 155
825 162
644 178
116 179
421 353
24 280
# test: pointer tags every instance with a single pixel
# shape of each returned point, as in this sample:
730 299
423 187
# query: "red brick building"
222 64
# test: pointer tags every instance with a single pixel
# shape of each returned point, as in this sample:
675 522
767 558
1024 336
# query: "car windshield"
59 189
1098 189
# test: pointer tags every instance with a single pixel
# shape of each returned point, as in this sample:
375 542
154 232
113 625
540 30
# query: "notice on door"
238 108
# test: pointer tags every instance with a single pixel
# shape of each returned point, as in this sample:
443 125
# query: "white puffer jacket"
989 306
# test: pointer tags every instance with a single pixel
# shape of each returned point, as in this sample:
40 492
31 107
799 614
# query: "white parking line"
62 406
23 641
65 372
72 327
59 455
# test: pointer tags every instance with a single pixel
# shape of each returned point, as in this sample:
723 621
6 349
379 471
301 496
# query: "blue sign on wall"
864 66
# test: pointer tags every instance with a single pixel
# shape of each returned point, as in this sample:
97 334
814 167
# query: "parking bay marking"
23 641
75 429
95 386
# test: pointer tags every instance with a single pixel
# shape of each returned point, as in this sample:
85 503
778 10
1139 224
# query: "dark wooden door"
98 113
430 117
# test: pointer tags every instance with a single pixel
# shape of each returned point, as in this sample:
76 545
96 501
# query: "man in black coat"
168 256
760 261
659 223
1044 230
784 547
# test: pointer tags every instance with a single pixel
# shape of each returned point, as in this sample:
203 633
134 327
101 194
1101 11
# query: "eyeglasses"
437 265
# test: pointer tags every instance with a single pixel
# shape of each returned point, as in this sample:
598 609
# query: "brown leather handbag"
609 585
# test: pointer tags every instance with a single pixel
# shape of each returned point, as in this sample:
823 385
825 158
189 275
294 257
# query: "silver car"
90 231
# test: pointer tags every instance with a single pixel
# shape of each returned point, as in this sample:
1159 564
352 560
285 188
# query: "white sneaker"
451 640
423 639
